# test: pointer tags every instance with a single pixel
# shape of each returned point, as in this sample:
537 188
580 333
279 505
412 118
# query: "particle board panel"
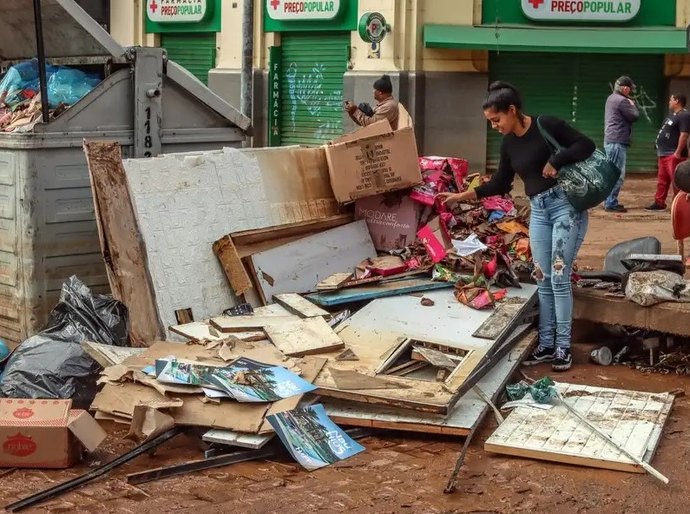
304 337
300 306
499 320
199 330
465 415
299 266
229 259
634 420
230 324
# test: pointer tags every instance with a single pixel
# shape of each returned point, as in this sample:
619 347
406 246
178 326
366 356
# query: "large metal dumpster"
146 103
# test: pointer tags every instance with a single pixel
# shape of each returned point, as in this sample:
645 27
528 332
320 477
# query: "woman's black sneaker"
563 359
542 354
655 207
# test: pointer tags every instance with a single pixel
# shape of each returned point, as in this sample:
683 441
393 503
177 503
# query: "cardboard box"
392 219
375 129
372 165
45 433
435 239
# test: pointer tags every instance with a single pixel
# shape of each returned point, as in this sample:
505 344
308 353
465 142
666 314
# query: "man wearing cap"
621 113
386 107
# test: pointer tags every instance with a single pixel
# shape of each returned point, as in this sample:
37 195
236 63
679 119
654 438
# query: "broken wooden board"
353 381
201 330
299 266
303 337
123 251
500 319
300 306
108 355
372 292
633 419
593 305
433 357
230 438
377 331
334 282
465 415
232 265
293 231
230 324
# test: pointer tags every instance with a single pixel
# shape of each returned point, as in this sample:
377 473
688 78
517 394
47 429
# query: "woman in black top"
557 230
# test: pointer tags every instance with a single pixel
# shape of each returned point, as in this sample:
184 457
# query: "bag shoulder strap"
548 137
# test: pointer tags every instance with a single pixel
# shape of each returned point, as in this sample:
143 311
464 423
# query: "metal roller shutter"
195 52
574 87
313 66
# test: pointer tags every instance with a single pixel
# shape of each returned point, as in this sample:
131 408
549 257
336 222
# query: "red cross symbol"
154 6
536 3
275 4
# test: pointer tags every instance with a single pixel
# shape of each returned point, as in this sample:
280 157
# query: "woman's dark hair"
501 96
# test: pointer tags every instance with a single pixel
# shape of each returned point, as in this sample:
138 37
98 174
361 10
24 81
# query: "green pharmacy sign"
612 11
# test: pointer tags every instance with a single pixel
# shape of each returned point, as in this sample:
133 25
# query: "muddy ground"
401 473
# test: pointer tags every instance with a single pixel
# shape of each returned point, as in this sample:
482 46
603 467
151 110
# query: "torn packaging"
120 400
392 220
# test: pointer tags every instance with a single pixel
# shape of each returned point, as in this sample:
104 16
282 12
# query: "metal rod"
220 461
453 480
40 48
64 487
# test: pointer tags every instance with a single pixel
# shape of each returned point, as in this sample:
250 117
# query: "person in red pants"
672 149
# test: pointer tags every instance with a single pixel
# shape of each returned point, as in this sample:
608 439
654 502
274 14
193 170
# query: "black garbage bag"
52 364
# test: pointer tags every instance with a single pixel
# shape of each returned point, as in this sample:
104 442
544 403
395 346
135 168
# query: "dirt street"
402 473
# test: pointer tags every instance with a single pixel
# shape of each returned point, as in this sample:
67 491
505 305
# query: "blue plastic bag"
68 86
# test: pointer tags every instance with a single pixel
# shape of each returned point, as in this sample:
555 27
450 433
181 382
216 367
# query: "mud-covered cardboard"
45 433
375 164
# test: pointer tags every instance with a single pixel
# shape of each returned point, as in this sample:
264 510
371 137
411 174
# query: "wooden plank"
300 306
299 266
467 413
354 381
201 330
594 305
500 319
433 357
230 324
123 251
237 276
301 229
301 337
108 355
334 282
633 419
373 292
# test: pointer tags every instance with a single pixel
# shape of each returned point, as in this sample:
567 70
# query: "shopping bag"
586 183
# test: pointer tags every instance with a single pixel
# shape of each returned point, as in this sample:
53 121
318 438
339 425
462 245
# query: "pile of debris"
20 97
260 304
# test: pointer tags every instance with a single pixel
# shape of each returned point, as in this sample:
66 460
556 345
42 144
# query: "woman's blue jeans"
557 231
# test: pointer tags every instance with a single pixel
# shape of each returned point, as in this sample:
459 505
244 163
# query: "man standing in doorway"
621 113
386 107
671 149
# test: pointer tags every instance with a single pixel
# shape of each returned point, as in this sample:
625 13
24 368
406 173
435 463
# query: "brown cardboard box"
372 165
45 433
392 219
375 129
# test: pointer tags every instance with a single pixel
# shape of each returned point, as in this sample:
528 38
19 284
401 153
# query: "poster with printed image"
244 380
312 438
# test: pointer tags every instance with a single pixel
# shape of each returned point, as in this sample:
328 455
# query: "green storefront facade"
307 69
565 56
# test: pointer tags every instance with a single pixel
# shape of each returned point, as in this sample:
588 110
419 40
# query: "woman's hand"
549 171
449 198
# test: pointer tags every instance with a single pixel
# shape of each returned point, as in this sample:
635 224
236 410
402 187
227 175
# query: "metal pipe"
246 88
40 48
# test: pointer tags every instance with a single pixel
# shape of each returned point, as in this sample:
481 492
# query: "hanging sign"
614 11
304 10
275 73
373 27
176 11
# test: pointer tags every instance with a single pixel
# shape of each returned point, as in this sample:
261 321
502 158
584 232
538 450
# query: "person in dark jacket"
556 229
621 113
